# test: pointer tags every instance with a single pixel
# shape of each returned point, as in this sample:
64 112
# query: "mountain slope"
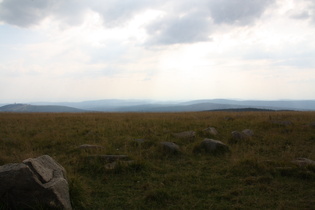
116 105
302 105
34 108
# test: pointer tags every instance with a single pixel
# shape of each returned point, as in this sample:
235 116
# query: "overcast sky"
75 50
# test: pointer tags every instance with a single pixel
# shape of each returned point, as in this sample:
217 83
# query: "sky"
76 50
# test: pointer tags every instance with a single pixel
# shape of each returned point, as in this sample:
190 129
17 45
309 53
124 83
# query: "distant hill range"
116 105
36 108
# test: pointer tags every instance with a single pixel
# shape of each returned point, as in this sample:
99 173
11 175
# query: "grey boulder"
37 183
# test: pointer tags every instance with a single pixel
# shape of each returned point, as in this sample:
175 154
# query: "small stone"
211 131
303 162
139 140
110 158
170 147
114 165
185 135
211 146
89 146
237 137
284 123
312 124
248 132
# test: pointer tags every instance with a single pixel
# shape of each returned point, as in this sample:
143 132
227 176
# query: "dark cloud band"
185 21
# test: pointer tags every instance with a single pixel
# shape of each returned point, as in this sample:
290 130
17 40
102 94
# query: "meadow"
258 173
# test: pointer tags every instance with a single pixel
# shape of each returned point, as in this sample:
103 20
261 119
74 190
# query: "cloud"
27 13
175 29
32 12
303 10
185 22
312 11
23 13
116 13
239 12
302 15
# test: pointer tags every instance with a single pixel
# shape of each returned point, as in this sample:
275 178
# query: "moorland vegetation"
256 173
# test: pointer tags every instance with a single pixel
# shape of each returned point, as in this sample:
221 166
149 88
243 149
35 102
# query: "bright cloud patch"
177 49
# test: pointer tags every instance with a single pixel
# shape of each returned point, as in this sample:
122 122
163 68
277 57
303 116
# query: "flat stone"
115 164
110 158
89 146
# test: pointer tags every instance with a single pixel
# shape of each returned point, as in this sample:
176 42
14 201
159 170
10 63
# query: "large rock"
37 182
211 146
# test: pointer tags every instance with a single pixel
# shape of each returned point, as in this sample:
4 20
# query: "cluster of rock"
207 146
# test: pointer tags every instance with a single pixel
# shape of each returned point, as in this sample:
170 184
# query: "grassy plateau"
258 173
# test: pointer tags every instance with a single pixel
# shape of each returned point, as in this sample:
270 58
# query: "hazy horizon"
173 50
42 102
